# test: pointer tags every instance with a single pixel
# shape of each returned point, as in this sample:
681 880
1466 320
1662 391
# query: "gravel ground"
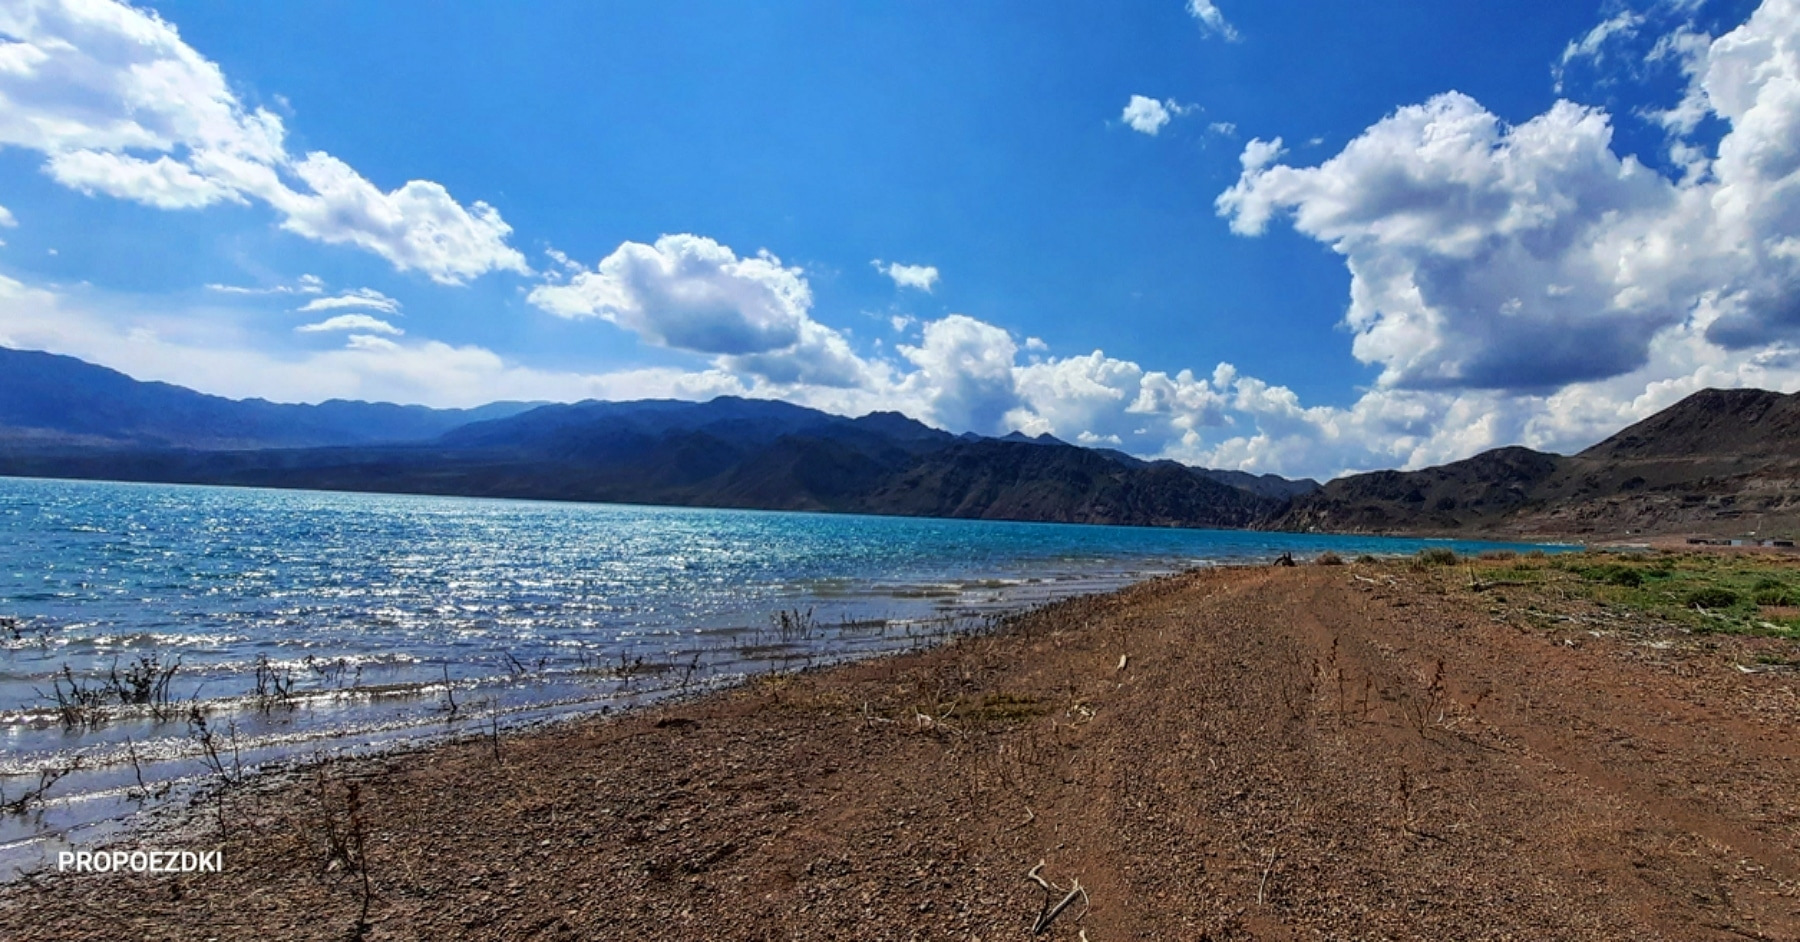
1319 752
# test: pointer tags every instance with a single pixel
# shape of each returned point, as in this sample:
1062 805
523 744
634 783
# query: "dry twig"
1048 913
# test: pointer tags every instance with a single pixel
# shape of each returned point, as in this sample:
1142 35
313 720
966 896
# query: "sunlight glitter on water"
366 614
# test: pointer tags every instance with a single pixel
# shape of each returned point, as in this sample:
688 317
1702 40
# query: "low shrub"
1438 556
1774 592
1711 597
1614 575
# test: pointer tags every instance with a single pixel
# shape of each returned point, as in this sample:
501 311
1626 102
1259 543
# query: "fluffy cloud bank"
691 293
120 106
1527 283
1483 255
1512 282
688 292
219 351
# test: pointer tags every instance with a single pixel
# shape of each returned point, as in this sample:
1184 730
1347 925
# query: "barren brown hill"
1477 493
1004 480
1751 423
1720 463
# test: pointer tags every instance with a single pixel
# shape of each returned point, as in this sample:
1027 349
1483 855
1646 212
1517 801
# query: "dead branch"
1048 913
1262 884
1044 922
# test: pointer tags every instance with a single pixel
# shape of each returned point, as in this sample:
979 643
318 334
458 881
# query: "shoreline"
1471 536
518 636
1367 750
163 784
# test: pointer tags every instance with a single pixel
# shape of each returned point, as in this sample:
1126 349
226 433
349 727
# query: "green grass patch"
1519 573
1702 592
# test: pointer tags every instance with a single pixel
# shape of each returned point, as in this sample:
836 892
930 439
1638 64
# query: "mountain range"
61 417
1721 462
49 401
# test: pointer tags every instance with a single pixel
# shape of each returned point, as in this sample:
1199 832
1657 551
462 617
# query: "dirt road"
1354 752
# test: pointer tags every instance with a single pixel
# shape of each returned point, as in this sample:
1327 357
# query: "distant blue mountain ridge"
1718 463
62 417
49 400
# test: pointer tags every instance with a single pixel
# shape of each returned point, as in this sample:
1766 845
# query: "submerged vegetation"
83 703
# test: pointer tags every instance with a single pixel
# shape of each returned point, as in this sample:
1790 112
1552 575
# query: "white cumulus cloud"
965 372
1528 284
1483 255
417 226
1513 282
922 277
1145 115
689 292
120 105
349 322
163 183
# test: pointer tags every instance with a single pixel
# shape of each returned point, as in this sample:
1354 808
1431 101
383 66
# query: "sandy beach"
1373 750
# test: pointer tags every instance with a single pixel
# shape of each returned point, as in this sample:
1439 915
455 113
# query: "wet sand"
1344 752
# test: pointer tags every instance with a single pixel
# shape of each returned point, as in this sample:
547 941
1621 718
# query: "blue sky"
1301 237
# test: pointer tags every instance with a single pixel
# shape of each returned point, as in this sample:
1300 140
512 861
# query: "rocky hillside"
1720 463
1474 494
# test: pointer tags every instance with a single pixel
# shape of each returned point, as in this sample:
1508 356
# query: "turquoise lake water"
368 616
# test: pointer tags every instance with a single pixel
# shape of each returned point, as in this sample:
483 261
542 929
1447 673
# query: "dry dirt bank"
1308 753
